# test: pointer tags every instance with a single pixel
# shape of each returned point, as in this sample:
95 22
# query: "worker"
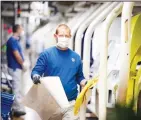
16 64
61 61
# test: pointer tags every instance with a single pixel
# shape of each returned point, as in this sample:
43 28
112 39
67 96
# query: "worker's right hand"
36 79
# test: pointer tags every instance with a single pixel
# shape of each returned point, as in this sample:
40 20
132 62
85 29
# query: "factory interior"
105 37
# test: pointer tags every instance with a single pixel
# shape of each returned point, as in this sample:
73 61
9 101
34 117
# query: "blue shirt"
13 45
63 63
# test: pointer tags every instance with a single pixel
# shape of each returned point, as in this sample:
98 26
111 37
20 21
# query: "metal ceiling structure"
8 7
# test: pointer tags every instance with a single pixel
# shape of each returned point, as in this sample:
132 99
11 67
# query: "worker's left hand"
83 83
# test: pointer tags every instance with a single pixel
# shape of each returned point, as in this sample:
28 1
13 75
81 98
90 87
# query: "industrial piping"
88 35
86 56
103 60
125 51
80 21
81 29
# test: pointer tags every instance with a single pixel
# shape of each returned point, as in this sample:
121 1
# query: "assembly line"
92 51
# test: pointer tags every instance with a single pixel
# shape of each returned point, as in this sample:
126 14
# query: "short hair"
62 25
15 28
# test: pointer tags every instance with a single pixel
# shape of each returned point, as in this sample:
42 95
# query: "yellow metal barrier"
135 57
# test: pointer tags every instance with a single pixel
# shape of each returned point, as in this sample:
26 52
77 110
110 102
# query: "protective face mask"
63 42
22 33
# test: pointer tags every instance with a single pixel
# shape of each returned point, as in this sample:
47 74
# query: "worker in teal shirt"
61 61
